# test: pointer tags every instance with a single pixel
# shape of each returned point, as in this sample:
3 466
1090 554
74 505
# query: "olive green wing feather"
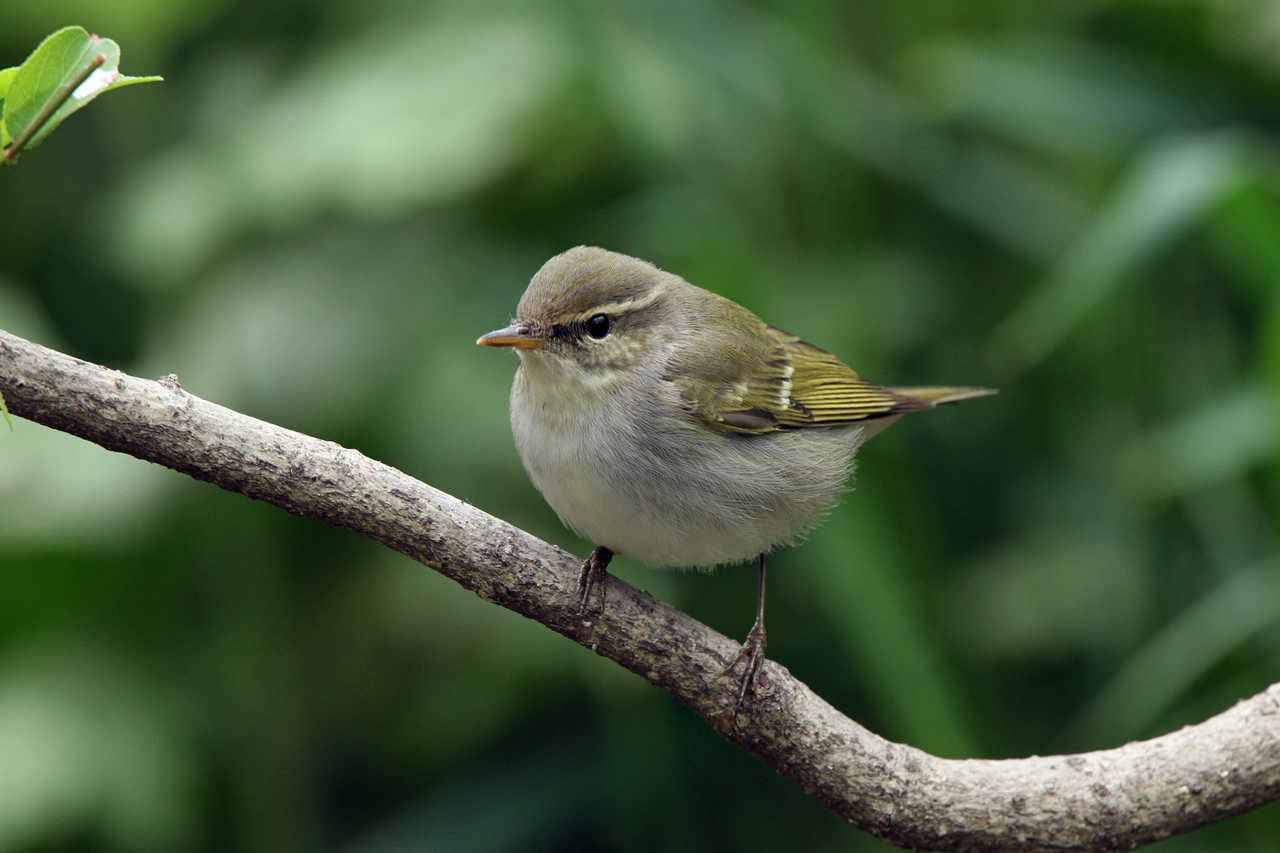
780 382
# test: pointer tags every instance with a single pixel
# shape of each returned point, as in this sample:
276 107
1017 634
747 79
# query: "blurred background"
324 205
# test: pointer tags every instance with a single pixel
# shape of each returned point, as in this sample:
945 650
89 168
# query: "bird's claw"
752 652
592 575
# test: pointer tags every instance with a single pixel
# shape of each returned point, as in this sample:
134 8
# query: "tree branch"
1114 799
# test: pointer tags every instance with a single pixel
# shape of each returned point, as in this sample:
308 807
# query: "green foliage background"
315 216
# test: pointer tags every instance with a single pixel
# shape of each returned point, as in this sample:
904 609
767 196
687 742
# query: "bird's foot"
751 653
594 570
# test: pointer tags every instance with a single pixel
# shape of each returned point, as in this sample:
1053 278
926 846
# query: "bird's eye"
598 326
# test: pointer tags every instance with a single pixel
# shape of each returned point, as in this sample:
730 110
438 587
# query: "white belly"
641 480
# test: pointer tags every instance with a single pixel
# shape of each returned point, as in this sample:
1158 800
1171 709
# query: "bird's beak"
518 335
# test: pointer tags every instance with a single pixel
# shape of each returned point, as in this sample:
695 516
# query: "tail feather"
929 397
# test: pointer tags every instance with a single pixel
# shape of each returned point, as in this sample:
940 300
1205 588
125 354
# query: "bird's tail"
927 398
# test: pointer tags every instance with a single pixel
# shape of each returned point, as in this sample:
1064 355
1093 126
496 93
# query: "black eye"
598 326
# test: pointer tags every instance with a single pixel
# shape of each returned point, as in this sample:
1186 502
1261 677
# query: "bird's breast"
632 472
574 445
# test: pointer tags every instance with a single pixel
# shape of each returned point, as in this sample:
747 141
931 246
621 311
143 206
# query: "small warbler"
669 424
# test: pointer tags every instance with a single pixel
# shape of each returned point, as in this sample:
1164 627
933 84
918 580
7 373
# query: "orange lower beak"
516 335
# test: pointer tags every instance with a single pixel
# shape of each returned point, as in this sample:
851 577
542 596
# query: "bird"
668 424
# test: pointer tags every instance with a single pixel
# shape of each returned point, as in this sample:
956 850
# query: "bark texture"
1115 799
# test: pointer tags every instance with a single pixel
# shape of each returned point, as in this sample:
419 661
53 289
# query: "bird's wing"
775 381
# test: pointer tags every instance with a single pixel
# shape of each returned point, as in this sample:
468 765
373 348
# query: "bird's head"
591 311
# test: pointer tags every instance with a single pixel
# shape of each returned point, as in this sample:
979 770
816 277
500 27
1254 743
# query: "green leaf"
6 77
4 410
1168 190
1172 660
1226 437
41 83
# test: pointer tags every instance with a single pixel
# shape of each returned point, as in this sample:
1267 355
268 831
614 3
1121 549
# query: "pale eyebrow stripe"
622 307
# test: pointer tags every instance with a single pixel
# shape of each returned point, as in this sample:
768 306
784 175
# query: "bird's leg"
752 651
594 569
